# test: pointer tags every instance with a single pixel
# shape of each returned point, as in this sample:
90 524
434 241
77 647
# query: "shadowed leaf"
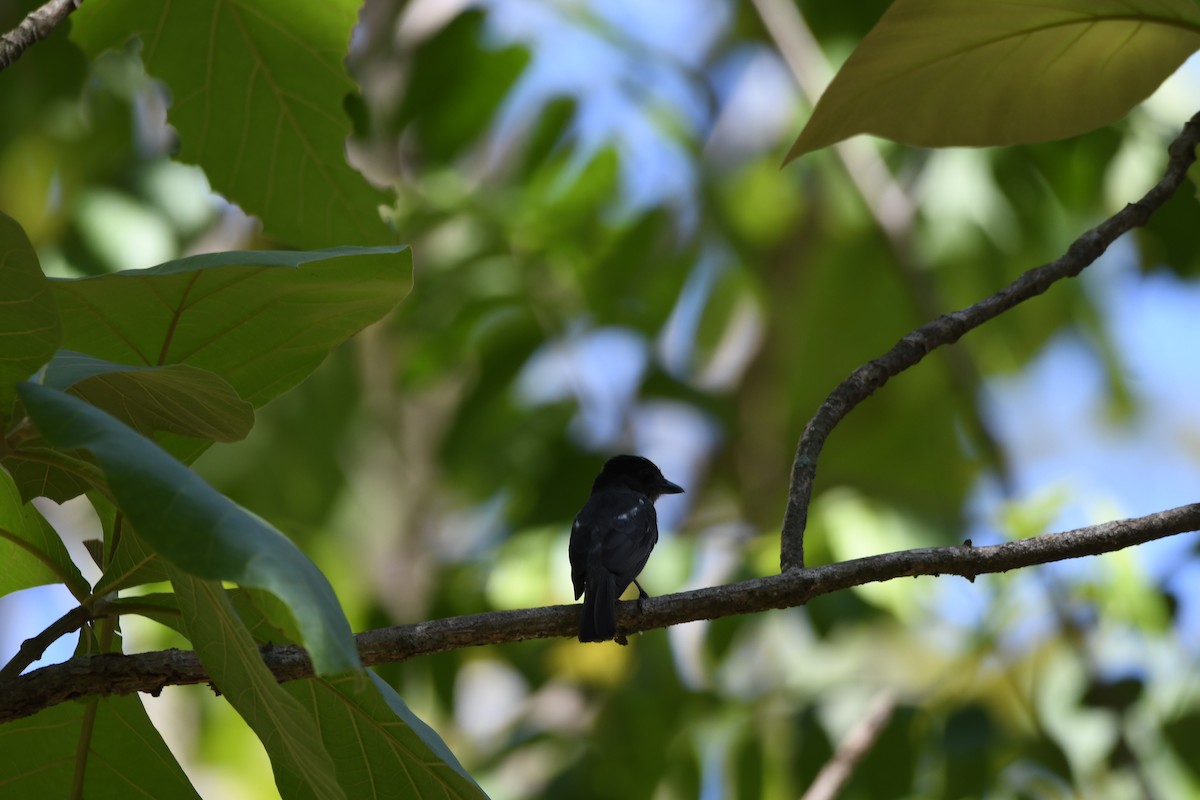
178 398
31 552
303 767
41 755
193 526
388 749
29 325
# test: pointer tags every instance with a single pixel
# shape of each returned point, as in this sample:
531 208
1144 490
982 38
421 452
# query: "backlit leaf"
178 398
941 73
256 88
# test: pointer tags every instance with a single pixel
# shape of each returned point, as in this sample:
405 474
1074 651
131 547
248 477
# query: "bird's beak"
666 487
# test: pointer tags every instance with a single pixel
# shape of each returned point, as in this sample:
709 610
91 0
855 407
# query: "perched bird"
612 538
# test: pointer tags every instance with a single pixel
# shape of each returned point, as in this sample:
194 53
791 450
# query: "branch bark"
33 648
37 25
115 674
949 328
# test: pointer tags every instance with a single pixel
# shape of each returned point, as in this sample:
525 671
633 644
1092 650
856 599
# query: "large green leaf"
257 91
262 320
31 552
125 758
195 527
303 767
384 750
177 397
29 326
938 73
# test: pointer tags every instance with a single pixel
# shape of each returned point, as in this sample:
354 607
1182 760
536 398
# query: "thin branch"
33 648
115 674
837 770
39 24
890 205
949 328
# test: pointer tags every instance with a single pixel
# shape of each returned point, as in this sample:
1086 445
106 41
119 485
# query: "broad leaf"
29 327
303 767
383 747
939 73
31 552
178 398
193 526
262 320
125 758
257 91
42 471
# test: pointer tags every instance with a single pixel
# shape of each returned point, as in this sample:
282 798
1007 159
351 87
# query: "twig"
37 25
858 741
33 648
890 205
949 328
114 674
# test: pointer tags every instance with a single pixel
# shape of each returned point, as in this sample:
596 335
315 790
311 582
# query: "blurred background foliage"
609 259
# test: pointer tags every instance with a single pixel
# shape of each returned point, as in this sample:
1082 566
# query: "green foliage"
303 766
383 747
34 554
126 753
419 471
193 526
257 91
31 322
178 398
178 357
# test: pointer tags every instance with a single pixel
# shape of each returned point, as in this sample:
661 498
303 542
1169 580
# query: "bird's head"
636 474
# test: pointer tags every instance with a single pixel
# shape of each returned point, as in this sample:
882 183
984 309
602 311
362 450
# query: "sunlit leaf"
125 758
29 325
262 320
193 526
940 73
256 95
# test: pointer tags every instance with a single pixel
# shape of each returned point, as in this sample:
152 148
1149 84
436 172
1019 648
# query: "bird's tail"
599 620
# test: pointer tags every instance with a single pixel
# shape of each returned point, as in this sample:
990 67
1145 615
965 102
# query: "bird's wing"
581 538
632 534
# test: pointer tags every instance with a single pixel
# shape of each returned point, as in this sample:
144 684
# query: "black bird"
612 538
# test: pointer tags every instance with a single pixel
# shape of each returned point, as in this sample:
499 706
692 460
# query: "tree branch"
116 674
890 205
31 649
39 24
949 328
